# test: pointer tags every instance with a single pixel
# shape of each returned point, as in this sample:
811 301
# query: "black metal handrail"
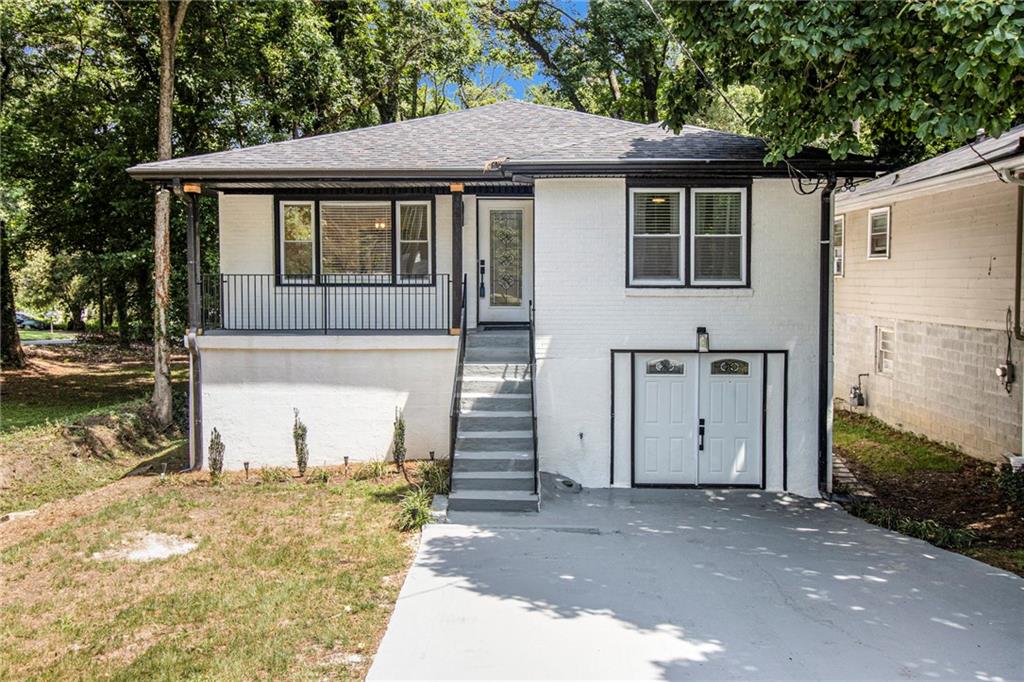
533 402
456 406
325 303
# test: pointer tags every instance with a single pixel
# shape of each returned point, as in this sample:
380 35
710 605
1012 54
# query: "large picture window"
656 236
719 236
338 241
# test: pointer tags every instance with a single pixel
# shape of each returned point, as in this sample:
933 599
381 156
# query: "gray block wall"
943 384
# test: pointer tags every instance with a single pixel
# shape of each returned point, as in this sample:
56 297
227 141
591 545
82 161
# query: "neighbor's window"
885 350
656 236
719 236
414 238
839 245
879 232
297 239
355 239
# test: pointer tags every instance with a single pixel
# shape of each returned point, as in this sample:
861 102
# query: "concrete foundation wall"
346 389
584 310
943 384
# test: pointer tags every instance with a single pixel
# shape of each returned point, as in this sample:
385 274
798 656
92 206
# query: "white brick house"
536 289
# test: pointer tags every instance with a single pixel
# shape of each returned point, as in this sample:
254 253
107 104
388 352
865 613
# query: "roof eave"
269 174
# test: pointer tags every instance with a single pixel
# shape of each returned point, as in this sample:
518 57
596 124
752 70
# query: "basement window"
885 350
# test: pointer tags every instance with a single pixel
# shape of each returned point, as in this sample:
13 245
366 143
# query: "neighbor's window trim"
887 212
744 237
398 241
313 215
839 252
890 353
681 237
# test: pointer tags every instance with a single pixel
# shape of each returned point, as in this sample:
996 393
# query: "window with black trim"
355 238
656 236
297 239
719 236
413 238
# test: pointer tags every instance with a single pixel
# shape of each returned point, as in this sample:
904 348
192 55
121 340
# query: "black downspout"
824 350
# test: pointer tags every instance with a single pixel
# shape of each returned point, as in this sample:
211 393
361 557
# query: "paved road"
660 584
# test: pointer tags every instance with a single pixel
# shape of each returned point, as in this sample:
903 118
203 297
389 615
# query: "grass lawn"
67 382
290 580
932 491
42 335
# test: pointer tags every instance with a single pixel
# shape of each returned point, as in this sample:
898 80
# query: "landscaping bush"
371 470
301 448
413 509
927 530
216 455
1011 483
434 477
398 444
319 476
273 475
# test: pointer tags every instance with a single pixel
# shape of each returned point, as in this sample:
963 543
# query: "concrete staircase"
494 446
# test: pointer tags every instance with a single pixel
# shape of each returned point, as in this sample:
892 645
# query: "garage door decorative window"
739 367
665 366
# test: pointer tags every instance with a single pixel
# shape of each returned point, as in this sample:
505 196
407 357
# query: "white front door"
505 259
730 406
666 419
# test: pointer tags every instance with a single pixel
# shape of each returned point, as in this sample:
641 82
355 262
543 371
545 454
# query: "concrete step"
509 460
495 370
471 422
503 402
494 480
497 385
517 441
495 339
498 355
493 500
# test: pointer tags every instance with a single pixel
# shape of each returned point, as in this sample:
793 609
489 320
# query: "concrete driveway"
672 584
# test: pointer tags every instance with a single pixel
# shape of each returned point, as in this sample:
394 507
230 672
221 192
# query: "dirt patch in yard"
927 481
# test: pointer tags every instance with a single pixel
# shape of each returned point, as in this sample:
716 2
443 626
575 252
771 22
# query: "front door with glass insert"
505 260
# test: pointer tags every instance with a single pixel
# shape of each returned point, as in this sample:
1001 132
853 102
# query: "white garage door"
698 419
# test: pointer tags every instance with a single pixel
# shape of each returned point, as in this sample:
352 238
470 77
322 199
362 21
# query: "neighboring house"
927 265
340 294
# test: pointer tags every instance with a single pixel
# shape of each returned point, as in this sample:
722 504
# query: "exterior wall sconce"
703 340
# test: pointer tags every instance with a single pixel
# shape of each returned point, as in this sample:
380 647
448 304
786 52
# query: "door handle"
700 436
483 271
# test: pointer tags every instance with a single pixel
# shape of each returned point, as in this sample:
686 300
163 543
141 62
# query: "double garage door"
698 419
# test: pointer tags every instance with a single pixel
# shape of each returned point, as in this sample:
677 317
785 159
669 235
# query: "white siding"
584 309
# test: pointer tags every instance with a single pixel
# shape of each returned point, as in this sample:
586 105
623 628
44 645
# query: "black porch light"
703 340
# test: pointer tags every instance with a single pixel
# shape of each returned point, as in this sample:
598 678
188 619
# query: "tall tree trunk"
11 354
169 28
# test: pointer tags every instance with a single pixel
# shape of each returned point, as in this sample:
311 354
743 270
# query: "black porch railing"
325 303
456 404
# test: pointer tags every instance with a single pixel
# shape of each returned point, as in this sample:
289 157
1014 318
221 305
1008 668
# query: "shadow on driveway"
673 584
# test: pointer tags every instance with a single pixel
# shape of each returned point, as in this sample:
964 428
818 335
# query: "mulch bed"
969 498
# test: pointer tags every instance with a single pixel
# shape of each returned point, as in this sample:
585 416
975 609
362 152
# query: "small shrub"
1011 483
398 443
301 448
319 476
413 509
928 530
434 477
371 470
273 475
216 455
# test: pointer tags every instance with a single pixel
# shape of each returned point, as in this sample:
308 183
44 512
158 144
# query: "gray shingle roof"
462 140
652 142
994 148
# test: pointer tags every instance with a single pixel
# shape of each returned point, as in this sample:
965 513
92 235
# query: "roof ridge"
573 111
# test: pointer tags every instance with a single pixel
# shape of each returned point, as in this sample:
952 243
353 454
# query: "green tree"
897 78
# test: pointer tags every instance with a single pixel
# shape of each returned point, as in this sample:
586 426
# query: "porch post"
192 245
457 269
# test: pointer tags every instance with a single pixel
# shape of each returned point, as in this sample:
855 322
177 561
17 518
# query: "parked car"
26 321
